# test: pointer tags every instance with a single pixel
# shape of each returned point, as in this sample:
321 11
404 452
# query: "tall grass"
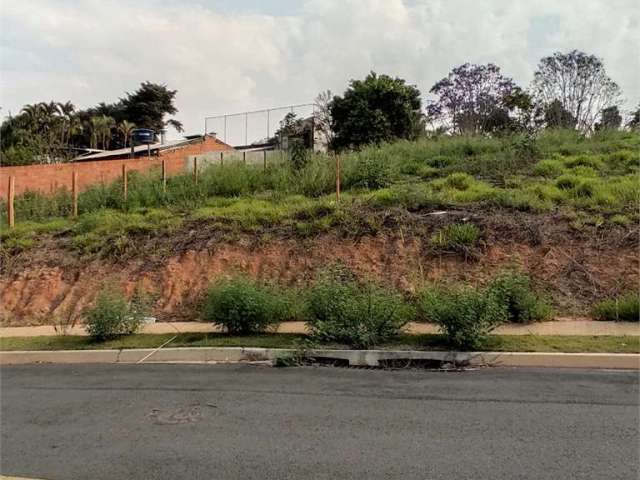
598 173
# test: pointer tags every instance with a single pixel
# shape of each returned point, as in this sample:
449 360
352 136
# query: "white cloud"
91 51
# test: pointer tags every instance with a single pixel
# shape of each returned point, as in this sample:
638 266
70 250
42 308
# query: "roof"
169 145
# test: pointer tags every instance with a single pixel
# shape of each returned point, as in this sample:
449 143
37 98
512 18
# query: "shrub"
368 169
465 316
567 182
583 161
339 309
243 306
459 181
513 290
625 308
113 315
459 237
439 161
548 168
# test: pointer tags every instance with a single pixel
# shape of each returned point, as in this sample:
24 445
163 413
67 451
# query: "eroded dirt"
52 283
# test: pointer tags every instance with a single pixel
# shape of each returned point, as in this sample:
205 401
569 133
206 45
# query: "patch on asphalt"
176 416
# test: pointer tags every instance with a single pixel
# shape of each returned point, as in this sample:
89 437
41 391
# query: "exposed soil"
52 282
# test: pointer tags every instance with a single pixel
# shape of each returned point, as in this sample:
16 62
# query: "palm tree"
94 127
66 111
107 123
125 128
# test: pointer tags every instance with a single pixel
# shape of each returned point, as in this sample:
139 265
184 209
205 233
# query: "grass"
597 176
499 343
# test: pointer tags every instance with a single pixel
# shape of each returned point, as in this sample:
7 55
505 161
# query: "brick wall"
47 179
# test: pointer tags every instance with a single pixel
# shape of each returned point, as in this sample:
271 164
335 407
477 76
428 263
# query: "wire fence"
254 127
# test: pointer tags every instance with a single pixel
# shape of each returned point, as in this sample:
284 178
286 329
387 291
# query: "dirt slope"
51 281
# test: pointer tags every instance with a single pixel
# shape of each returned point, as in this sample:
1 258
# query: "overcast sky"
234 55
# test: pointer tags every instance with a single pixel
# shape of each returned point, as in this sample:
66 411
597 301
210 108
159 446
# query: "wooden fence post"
195 170
337 178
264 158
74 194
244 157
221 159
164 175
11 220
124 181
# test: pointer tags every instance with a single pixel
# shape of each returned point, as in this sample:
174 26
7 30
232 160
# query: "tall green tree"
374 110
148 106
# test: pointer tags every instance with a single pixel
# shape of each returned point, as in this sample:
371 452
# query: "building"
191 144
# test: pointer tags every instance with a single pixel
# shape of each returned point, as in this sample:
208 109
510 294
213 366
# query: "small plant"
369 170
113 314
342 310
298 153
465 316
244 306
625 308
513 290
458 237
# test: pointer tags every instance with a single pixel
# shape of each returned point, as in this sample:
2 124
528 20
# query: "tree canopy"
476 99
377 109
579 82
49 132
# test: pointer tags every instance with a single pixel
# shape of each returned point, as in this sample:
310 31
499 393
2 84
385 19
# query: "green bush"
342 310
368 169
465 315
113 314
548 168
458 237
625 308
244 306
513 290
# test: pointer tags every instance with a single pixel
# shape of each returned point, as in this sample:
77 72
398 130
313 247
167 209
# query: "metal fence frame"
246 114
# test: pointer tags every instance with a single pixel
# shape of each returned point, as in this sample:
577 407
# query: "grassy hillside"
587 181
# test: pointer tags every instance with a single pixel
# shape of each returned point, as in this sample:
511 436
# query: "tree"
376 109
322 111
610 119
556 116
475 99
148 105
125 128
634 121
579 82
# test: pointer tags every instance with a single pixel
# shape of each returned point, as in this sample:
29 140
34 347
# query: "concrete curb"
371 358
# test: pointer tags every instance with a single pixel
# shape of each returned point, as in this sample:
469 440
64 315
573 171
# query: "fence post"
195 170
164 175
337 178
124 181
244 157
11 220
74 194
221 159
264 158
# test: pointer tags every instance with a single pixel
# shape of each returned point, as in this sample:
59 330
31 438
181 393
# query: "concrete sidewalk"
559 327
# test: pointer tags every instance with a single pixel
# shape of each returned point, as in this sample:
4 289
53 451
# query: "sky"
226 56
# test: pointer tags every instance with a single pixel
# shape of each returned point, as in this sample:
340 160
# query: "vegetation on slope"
589 180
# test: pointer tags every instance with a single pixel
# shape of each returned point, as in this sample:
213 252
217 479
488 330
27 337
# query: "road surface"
246 422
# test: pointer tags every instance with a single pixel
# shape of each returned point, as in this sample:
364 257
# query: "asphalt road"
251 422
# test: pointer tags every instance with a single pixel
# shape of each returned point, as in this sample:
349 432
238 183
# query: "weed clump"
113 315
360 314
465 315
625 308
243 306
457 237
523 304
